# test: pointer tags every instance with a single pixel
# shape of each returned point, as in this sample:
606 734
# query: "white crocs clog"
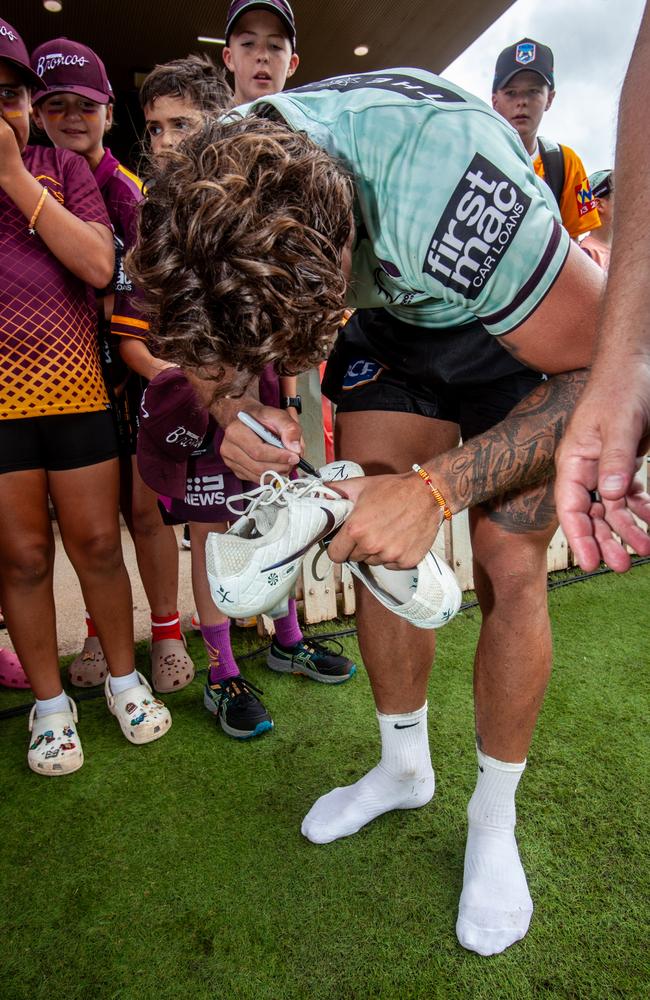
55 747
143 718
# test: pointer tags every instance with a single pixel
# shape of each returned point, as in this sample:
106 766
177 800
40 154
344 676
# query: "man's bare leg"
512 667
398 656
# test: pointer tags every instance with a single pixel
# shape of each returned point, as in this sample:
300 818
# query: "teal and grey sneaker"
241 715
312 659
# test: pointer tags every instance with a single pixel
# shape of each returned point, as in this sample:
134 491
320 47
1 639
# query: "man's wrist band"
295 402
31 228
437 495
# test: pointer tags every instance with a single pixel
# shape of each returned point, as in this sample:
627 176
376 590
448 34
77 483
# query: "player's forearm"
517 452
288 385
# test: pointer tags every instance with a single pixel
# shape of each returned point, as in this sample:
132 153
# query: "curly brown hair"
195 78
239 250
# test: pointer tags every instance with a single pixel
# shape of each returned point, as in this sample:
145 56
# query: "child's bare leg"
26 566
86 501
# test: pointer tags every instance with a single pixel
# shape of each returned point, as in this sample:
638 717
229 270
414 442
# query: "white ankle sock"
495 905
119 684
51 706
403 779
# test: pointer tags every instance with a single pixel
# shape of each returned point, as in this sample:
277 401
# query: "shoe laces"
322 647
235 688
277 489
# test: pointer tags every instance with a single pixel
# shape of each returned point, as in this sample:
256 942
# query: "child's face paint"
14 103
169 120
74 122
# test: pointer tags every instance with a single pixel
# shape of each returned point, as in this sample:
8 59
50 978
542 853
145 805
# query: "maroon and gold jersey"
49 358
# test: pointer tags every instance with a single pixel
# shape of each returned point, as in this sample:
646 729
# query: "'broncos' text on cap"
68 67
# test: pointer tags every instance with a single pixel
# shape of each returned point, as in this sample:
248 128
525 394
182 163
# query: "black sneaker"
240 713
186 541
312 659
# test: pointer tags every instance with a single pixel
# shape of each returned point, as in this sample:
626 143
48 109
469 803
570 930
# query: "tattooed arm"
517 452
396 520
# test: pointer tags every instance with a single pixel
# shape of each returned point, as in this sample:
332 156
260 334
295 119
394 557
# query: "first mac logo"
476 228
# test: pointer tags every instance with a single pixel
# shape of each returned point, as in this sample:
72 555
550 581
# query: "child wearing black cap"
522 90
260 47
75 108
56 432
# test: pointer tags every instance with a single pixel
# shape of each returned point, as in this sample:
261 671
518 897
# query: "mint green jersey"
452 222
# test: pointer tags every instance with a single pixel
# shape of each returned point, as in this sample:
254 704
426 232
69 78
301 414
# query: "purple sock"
217 644
287 629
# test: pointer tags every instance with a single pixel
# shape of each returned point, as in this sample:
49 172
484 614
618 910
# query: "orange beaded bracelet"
31 228
437 495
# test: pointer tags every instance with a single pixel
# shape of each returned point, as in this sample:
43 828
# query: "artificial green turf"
178 869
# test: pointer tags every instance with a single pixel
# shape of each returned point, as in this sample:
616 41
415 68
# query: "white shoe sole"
427 596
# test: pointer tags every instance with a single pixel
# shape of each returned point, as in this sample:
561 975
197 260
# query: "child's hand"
11 162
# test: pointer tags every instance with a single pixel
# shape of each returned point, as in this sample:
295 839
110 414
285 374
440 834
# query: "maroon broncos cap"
12 50
281 8
173 424
71 68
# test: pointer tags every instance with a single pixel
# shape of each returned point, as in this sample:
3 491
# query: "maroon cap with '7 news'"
71 68
173 424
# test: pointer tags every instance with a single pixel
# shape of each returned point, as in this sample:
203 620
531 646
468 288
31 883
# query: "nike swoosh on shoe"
330 523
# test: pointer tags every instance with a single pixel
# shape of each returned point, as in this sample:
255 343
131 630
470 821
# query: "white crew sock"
119 684
403 779
52 706
495 905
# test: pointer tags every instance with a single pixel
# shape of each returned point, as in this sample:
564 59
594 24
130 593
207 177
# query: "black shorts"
57 443
462 375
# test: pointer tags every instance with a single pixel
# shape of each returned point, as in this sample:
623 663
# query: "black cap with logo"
526 54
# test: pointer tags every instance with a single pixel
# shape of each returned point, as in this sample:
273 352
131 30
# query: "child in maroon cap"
75 108
56 430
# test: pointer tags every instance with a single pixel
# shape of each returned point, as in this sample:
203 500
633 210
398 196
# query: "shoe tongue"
264 519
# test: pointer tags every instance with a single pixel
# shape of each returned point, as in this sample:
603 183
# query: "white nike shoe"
338 471
253 567
428 596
